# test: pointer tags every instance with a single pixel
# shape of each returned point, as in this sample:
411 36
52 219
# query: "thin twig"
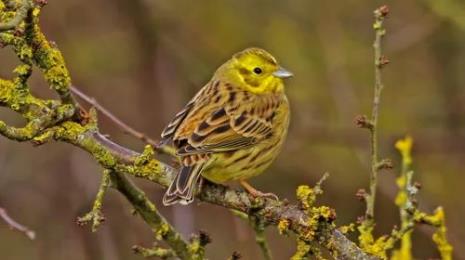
260 238
95 217
122 125
15 225
380 61
149 212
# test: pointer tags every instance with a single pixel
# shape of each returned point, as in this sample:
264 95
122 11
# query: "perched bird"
233 128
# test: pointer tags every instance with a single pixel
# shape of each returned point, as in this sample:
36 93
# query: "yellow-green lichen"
145 157
75 133
303 250
365 238
306 196
283 226
402 196
347 228
196 249
155 251
319 217
161 231
95 216
24 53
46 57
439 237
405 250
5 15
23 70
405 148
378 247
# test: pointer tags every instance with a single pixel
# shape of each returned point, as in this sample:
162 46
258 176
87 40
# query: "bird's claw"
268 195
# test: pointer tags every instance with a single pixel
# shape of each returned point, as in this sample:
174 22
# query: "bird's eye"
257 70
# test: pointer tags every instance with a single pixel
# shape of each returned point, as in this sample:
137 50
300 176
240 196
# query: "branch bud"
236 255
384 164
382 11
204 238
361 121
41 3
361 194
383 61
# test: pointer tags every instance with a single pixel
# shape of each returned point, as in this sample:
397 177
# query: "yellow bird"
233 128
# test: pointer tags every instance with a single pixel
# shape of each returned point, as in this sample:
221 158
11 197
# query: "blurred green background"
145 59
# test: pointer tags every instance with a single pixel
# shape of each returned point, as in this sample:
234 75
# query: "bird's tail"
182 189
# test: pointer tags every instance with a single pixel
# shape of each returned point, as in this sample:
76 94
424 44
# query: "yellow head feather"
255 70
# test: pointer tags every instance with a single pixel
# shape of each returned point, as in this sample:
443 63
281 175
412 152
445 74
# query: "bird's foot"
256 193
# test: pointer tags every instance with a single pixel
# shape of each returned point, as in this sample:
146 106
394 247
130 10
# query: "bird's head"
255 70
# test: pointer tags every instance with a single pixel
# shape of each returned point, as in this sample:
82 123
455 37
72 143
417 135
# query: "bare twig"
380 62
367 223
15 225
122 125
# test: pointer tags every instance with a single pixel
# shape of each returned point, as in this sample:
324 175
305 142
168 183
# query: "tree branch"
147 210
15 225
20 15
367 225
379 63
120 123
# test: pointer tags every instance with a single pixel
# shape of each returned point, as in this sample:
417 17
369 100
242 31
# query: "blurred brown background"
144 59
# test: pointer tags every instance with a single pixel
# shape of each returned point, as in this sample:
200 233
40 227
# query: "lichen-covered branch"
409 212
366 228
19 16
95 216
147 210
155 251
260 238
404 199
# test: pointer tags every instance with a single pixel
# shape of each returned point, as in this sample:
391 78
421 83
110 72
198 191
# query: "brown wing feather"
169 130
225 125
198 100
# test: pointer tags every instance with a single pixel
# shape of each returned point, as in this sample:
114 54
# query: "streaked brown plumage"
233 128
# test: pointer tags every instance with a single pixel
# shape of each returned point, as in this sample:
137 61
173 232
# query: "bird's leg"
256 193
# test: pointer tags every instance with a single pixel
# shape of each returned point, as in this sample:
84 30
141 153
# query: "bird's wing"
170 129
226 120
197 101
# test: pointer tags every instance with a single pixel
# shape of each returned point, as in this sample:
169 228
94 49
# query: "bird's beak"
283 73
